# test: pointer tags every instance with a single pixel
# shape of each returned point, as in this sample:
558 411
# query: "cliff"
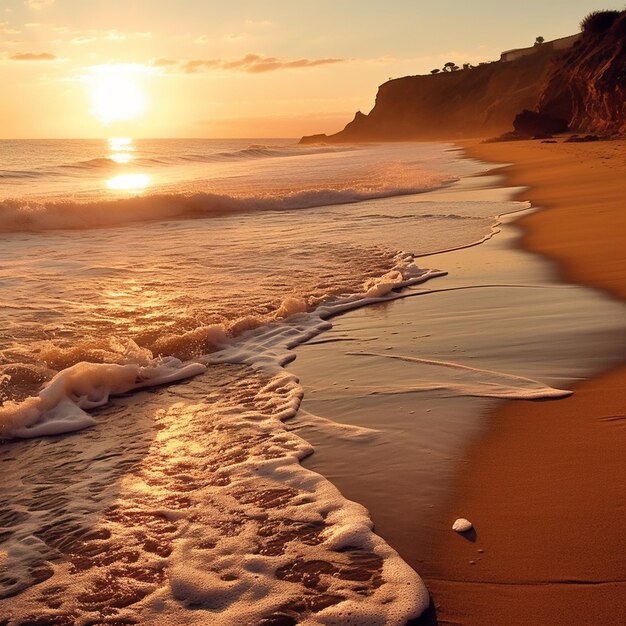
583 86
587 86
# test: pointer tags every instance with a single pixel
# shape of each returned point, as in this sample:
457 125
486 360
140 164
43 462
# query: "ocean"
151 294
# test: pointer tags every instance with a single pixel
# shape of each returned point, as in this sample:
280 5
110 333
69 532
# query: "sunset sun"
116 94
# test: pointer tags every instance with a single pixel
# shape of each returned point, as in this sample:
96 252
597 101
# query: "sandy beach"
545 487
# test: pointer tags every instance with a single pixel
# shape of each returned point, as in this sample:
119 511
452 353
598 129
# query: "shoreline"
542 485
584 178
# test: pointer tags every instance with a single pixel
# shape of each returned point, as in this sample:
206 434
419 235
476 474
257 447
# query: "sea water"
126 265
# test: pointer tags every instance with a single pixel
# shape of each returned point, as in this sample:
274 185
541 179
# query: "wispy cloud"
258 23
36 5
115 35
5 29
81 39
249 29
254 64
234 37
204 39
33 56
163 62
197 65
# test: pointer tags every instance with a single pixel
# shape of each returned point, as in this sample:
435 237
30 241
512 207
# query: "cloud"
115 35
79 41
230 37
32 56
258 23
254 64
191 67
5 29
163 62
234 37
80 37
38 4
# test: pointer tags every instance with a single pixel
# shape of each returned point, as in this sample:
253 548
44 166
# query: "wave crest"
26 214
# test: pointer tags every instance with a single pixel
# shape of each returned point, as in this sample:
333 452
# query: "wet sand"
545 488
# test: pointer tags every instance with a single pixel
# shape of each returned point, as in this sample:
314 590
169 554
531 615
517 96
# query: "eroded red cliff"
585 86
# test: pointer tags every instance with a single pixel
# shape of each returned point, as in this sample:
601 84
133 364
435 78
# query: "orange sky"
200 68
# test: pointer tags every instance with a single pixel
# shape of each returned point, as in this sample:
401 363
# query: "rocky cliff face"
465 103
585 86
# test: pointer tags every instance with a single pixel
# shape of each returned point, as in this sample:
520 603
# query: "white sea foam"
215 521
60 405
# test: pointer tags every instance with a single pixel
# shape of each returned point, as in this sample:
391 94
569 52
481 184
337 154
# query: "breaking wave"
61 404
30 214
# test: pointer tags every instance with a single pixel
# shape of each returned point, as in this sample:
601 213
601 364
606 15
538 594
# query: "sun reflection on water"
129 182
121 157
121 149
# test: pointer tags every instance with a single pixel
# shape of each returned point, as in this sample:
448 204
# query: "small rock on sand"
462 525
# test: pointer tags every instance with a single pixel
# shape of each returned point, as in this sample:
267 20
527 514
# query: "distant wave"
260 151
254 151
19 174
77 168
18 215
105 162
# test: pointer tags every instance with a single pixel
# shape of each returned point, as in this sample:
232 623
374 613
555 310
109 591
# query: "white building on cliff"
564 43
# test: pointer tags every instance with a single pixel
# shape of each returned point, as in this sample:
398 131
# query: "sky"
239 68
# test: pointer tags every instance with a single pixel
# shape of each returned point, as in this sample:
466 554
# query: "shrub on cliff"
599 21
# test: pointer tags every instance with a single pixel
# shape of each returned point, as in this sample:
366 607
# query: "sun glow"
116 93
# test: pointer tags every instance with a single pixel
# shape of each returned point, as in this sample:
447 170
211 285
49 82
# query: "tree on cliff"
435 71
539 40
450 66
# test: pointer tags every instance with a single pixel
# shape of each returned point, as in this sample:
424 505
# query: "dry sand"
546 488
